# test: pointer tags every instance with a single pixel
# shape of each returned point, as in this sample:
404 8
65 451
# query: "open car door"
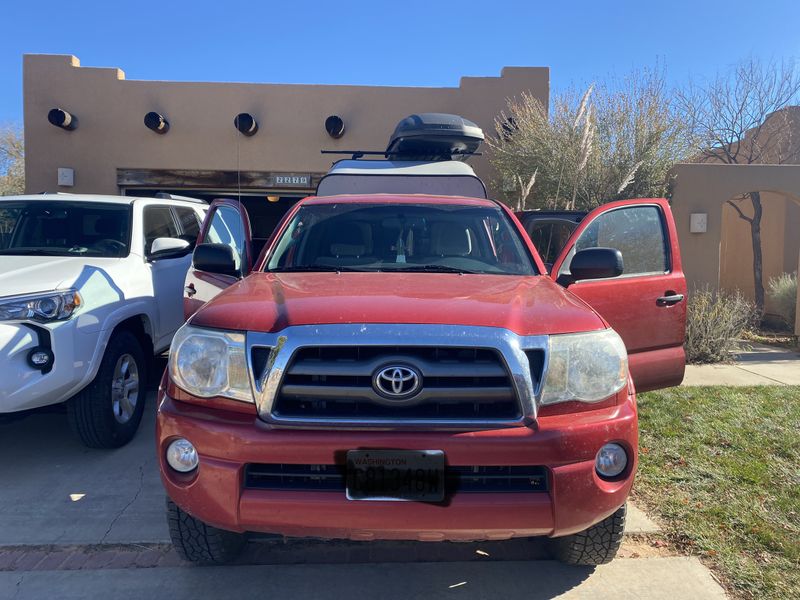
226 226
646 304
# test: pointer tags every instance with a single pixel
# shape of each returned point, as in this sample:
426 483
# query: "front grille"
337 382
331 478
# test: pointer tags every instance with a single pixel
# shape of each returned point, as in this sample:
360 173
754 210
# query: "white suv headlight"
587 367
43 308
208 362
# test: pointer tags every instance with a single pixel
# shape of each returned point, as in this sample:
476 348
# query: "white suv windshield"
64 228
407 237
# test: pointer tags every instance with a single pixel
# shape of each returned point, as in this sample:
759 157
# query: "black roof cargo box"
433 137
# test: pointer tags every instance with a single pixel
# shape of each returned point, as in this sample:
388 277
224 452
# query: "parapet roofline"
71 61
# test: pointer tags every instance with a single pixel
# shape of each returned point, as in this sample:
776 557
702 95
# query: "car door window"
189 222
549 236
636 231
158 222
226 228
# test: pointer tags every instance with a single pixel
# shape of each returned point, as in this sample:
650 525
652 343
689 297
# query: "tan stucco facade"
111 134
111 150
780 243
722 257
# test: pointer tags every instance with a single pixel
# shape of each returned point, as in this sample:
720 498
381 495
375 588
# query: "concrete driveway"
80 523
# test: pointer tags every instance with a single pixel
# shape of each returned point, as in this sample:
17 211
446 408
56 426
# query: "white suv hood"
28 274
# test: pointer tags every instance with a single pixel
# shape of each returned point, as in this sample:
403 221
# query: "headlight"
208 363
587 367
44 307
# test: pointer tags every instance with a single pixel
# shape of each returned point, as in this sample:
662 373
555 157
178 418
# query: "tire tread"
595 546
200 543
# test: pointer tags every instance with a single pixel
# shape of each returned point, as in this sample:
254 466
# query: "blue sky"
391 43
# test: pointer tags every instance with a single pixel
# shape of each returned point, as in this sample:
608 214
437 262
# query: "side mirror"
596 263
165 247
215 258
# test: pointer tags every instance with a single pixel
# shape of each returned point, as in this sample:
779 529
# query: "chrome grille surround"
284 344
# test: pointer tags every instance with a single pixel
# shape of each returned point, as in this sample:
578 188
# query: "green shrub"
715 322
782 290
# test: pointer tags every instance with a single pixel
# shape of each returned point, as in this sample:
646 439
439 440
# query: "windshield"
409 237
64 228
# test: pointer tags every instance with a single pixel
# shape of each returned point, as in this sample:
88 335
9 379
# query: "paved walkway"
758 365
670 578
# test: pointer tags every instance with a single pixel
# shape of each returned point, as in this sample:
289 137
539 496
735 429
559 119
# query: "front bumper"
566 445
23 387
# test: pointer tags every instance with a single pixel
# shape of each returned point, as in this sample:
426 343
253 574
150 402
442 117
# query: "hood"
269 302
29 274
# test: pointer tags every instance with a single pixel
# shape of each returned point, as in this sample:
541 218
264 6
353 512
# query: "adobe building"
85 131
105 146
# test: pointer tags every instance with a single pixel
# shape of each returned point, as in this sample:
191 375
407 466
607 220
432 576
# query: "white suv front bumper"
24 387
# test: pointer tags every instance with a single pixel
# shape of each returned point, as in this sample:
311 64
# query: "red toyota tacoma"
404 367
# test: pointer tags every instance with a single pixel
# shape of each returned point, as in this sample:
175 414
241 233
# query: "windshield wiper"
434 269
31 252
312 268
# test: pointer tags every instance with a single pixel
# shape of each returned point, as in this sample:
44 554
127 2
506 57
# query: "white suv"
90 290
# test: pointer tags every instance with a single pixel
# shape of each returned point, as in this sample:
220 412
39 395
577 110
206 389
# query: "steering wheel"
111 244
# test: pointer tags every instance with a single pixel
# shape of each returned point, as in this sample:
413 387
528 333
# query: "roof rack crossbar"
356 154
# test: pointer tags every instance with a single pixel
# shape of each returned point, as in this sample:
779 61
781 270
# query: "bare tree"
12 161
612 141
745 116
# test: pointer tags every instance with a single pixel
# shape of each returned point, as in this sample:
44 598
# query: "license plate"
416 475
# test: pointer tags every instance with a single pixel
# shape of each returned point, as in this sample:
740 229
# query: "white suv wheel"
125 388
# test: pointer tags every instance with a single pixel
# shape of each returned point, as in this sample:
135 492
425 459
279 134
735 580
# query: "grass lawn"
720 468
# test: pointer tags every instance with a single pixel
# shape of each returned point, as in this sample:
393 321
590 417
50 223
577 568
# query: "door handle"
189 290
670 299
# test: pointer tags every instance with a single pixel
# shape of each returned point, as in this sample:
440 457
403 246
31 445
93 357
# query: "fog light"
182 455
611 460
40 358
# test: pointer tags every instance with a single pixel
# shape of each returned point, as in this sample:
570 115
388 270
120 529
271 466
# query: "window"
158 223
63 228
226 228
550 236
409 237
189 222
636 231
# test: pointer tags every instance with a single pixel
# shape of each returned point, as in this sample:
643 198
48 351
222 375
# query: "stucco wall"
705 188
111 134
779 243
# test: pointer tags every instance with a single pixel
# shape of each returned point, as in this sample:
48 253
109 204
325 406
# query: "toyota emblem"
397 382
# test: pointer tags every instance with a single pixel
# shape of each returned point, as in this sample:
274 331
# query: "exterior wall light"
334 125
156 122
61 118
246 124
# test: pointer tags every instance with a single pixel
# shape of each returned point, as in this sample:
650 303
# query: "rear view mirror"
596 263
165 247
215 258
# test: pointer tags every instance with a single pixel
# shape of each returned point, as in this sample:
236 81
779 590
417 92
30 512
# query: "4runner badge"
397 382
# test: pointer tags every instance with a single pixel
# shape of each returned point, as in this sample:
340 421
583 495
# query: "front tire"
594 546
200 543
107 412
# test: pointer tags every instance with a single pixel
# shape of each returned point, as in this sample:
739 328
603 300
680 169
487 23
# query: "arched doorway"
712 259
